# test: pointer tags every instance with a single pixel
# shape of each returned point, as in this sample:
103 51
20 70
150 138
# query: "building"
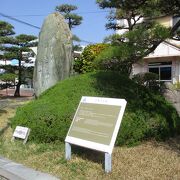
165 60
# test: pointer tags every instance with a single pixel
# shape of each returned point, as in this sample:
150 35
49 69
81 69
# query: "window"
163 69
175 20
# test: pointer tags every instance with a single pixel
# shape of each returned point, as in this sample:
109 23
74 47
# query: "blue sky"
92 28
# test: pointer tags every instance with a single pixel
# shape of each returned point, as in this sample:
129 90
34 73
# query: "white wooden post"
108 160
67 151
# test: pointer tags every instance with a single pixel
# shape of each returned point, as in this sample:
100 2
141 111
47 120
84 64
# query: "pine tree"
6 31
15 47
140 38
72 18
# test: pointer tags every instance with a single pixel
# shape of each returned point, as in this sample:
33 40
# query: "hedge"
147 115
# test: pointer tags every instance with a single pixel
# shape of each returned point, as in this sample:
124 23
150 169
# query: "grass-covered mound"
147 114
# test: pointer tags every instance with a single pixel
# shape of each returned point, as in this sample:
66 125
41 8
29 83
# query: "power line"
29 15
87 41
92 12
28 24
20 21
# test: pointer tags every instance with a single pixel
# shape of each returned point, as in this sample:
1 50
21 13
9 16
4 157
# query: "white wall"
2 62
143 67
165 49
164 52
140 68
123 22
34 49
176 77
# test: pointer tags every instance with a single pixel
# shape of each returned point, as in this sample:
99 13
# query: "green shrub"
84 64
148 79
147 114
133 129
7 77
177 85
115 58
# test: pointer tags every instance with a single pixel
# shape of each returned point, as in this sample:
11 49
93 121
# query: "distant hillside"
147 115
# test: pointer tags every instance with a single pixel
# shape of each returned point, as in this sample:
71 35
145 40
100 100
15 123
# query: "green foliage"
8 77
142 34
72 19
147 115
85 63
133 129
121 55
77 47
75 38
13 48
142 78
114 39
27 72
131 10
8 80
114 58
66 8
6 29
25 40
148 80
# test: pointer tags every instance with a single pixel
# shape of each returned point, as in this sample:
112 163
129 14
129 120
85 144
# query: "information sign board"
21 132
96 123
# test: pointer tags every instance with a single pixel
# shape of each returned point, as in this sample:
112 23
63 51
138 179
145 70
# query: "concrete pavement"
14 171
10 170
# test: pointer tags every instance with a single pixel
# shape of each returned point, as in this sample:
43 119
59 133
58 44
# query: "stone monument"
54 53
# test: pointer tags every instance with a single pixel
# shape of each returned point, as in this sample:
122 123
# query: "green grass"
150 160
147 115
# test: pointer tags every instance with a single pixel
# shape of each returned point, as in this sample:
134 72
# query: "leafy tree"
85 63
142 34
6 31
76 47
7 77
15 47
72 18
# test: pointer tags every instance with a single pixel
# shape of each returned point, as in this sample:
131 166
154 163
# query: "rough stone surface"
173 96
54 54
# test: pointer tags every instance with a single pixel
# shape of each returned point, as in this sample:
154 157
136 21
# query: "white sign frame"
21 133
97 146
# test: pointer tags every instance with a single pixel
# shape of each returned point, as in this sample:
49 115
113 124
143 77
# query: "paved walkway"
10 170
14 171
10 92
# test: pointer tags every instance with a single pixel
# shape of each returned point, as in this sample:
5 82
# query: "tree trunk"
69 23
17 91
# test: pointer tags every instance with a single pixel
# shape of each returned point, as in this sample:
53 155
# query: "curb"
14 171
